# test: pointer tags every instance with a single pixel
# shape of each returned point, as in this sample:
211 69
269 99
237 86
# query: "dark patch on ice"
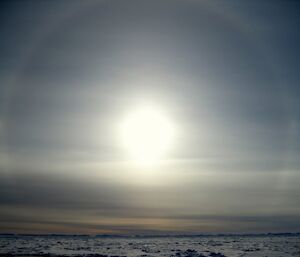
188 253
214 243
252 250
213 254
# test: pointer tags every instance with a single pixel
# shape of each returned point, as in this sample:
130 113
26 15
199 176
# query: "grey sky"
226 73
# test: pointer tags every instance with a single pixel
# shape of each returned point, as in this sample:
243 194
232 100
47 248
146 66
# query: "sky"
224 73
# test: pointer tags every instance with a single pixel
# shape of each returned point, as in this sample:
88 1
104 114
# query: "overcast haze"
225 72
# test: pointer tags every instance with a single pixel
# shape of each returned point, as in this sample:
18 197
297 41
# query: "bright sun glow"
147 134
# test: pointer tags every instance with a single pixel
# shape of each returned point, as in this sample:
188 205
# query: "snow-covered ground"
214 246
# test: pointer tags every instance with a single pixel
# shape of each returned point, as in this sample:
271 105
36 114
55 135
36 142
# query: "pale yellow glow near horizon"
147 134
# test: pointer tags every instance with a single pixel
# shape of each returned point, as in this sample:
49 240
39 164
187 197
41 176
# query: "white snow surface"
210 246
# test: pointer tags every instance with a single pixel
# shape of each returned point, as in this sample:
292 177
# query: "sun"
147 134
